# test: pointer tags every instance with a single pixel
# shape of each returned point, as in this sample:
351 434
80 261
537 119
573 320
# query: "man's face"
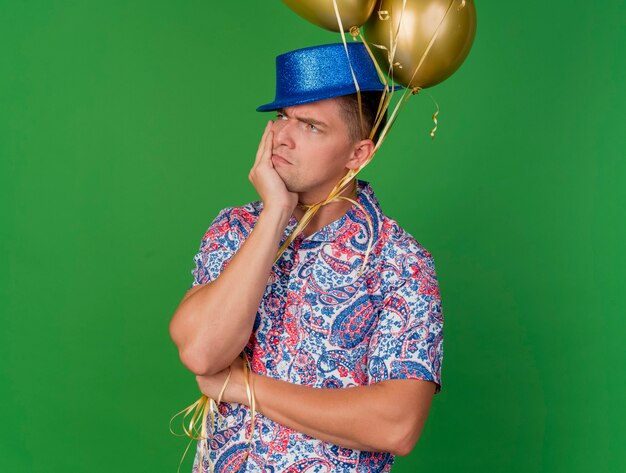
311 147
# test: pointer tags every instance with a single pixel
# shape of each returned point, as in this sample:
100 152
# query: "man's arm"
388 416
213 322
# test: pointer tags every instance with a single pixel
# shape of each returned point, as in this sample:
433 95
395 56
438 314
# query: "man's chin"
292 186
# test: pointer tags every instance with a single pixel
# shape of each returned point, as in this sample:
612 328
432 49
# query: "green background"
125 126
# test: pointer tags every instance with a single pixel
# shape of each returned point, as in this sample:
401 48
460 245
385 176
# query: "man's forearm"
212 324
387 416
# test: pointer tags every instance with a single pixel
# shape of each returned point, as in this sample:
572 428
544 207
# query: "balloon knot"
415 90
355 31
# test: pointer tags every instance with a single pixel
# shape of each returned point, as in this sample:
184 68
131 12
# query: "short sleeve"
218 246
407 342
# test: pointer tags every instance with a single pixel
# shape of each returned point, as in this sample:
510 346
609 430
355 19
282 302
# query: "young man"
344 365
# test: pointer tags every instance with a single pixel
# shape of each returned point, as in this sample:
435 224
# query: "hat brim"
318 96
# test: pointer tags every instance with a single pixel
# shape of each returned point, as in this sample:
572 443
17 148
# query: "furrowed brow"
303 119
312 121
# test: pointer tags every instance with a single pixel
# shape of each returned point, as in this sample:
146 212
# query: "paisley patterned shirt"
319 324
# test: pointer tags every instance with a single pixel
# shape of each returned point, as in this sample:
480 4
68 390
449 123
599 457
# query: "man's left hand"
211 385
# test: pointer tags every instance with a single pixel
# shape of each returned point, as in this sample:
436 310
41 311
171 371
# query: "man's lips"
278 158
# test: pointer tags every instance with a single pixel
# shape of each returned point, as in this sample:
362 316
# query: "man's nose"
283 133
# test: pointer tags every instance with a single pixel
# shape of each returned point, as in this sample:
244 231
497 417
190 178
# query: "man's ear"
360 153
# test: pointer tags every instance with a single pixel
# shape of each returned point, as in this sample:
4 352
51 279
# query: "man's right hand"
266 180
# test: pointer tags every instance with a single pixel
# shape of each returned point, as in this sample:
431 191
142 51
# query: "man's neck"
327 213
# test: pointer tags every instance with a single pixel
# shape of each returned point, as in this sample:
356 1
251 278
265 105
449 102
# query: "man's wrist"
280 215
241 390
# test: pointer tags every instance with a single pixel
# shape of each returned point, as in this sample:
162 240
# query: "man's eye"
313 128
280 116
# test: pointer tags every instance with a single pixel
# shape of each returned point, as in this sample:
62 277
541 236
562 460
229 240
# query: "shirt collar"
352 227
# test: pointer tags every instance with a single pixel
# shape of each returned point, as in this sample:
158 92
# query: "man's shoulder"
246 213
235 221
399 244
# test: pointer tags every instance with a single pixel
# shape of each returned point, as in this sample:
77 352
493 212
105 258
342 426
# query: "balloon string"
345 46
251 403
395 39
200 411
391 52
432 132
313 208
205 412
387 94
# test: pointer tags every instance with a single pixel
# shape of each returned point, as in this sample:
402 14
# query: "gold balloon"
422 59
322 12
